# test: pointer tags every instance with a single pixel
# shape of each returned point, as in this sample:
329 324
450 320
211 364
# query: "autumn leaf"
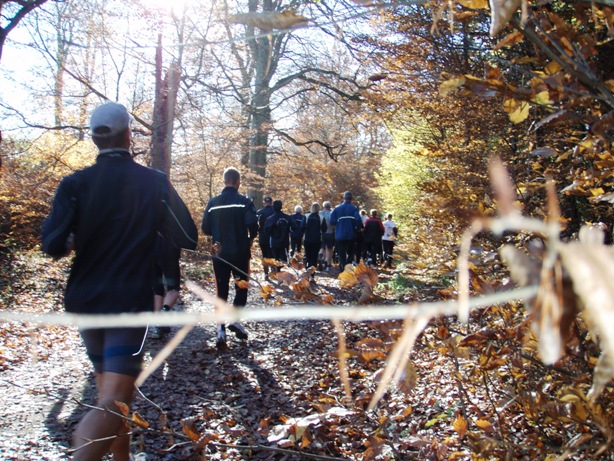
269 20
367 276
509 40
460 425
474 4
283 277
485 425
591 268
297 262
267 291
450 85
188 426
348 277
517 110
139 420
501 11
123 408
270 262
244 284
328 299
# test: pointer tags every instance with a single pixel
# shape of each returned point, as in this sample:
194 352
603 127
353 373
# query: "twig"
301 312
259 447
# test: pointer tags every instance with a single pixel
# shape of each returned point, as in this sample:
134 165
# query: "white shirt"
389 226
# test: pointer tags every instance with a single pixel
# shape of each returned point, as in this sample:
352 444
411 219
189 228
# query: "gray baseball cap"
109 119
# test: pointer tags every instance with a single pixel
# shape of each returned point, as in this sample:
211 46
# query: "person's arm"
58 227
180 228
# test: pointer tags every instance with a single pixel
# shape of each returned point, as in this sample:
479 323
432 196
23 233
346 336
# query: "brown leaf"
503 187
524 269
270 262
501 11
366 275
509 40
188 426
269 20
591 268
297 262
123 408
244 284
283 277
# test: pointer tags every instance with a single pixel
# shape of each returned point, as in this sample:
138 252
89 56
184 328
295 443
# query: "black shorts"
328 241
117 350
168 275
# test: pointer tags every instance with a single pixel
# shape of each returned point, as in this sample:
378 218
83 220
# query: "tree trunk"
164 113
261 49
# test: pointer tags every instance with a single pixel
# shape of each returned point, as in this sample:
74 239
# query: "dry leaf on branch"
270 262
244 284
188 426
283 277
269 20
501 11
591 268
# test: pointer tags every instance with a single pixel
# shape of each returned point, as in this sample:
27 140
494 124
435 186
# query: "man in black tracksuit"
111 214
230 219
265 245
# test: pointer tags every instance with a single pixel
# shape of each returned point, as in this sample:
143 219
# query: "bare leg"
171 298
99 424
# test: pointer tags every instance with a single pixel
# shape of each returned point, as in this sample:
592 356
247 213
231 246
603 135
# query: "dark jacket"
277 228
298 228
230 218
374 229
314 227
115 208
263 214
346 219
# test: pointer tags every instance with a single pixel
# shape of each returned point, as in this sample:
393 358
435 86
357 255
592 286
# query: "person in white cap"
110 214
297 230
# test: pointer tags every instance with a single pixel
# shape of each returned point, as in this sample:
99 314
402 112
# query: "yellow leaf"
450 85
474 4
348 278
138 419
460 425
542 98
597 192
552 68
431 422
484 425
518 110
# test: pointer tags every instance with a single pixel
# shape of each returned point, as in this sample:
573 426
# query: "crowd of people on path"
127 226
329 236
